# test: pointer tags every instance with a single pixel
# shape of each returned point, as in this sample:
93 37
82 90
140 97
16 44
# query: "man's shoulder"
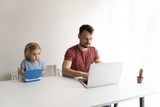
92 48
73 48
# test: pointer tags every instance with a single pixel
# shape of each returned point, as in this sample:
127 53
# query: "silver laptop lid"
101 74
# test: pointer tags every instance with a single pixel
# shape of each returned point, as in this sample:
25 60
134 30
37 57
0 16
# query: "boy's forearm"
43 71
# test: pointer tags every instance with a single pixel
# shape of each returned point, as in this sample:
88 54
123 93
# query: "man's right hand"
84 74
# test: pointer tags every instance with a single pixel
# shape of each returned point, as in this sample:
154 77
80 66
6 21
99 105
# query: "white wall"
124 30
53 24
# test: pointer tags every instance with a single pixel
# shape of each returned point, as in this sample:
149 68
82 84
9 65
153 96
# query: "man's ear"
79 36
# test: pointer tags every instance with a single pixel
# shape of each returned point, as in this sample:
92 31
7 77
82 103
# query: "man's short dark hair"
86 27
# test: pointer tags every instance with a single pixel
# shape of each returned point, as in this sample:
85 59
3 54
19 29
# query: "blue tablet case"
33 75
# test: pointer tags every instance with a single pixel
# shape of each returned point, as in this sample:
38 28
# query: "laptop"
33 75
102 74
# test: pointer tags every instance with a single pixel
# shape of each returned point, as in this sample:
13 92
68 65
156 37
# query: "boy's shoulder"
26 61
40 61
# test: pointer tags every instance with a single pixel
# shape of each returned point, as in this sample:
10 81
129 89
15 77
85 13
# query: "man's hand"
84 74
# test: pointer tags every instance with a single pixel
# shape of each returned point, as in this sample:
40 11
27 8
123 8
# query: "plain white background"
125 30
54 25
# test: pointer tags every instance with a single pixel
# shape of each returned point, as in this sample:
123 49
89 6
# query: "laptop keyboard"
86 81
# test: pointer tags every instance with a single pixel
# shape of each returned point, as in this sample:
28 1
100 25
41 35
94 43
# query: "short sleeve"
96 54
43 65
23 64
69 55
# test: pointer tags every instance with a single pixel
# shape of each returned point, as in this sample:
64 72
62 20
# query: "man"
79 57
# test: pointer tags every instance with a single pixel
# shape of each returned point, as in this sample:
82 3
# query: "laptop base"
32 80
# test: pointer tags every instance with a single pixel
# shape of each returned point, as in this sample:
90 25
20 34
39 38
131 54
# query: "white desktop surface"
68 92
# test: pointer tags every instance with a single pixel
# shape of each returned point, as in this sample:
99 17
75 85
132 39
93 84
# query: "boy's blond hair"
30 47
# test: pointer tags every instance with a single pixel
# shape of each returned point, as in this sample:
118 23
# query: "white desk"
68 92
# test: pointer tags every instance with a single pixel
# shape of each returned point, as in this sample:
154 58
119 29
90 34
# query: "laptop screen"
32 75
101 74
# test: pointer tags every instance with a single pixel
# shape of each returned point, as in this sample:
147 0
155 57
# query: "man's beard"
83 45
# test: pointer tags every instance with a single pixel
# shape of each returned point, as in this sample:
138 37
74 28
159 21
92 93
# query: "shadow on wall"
5 77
